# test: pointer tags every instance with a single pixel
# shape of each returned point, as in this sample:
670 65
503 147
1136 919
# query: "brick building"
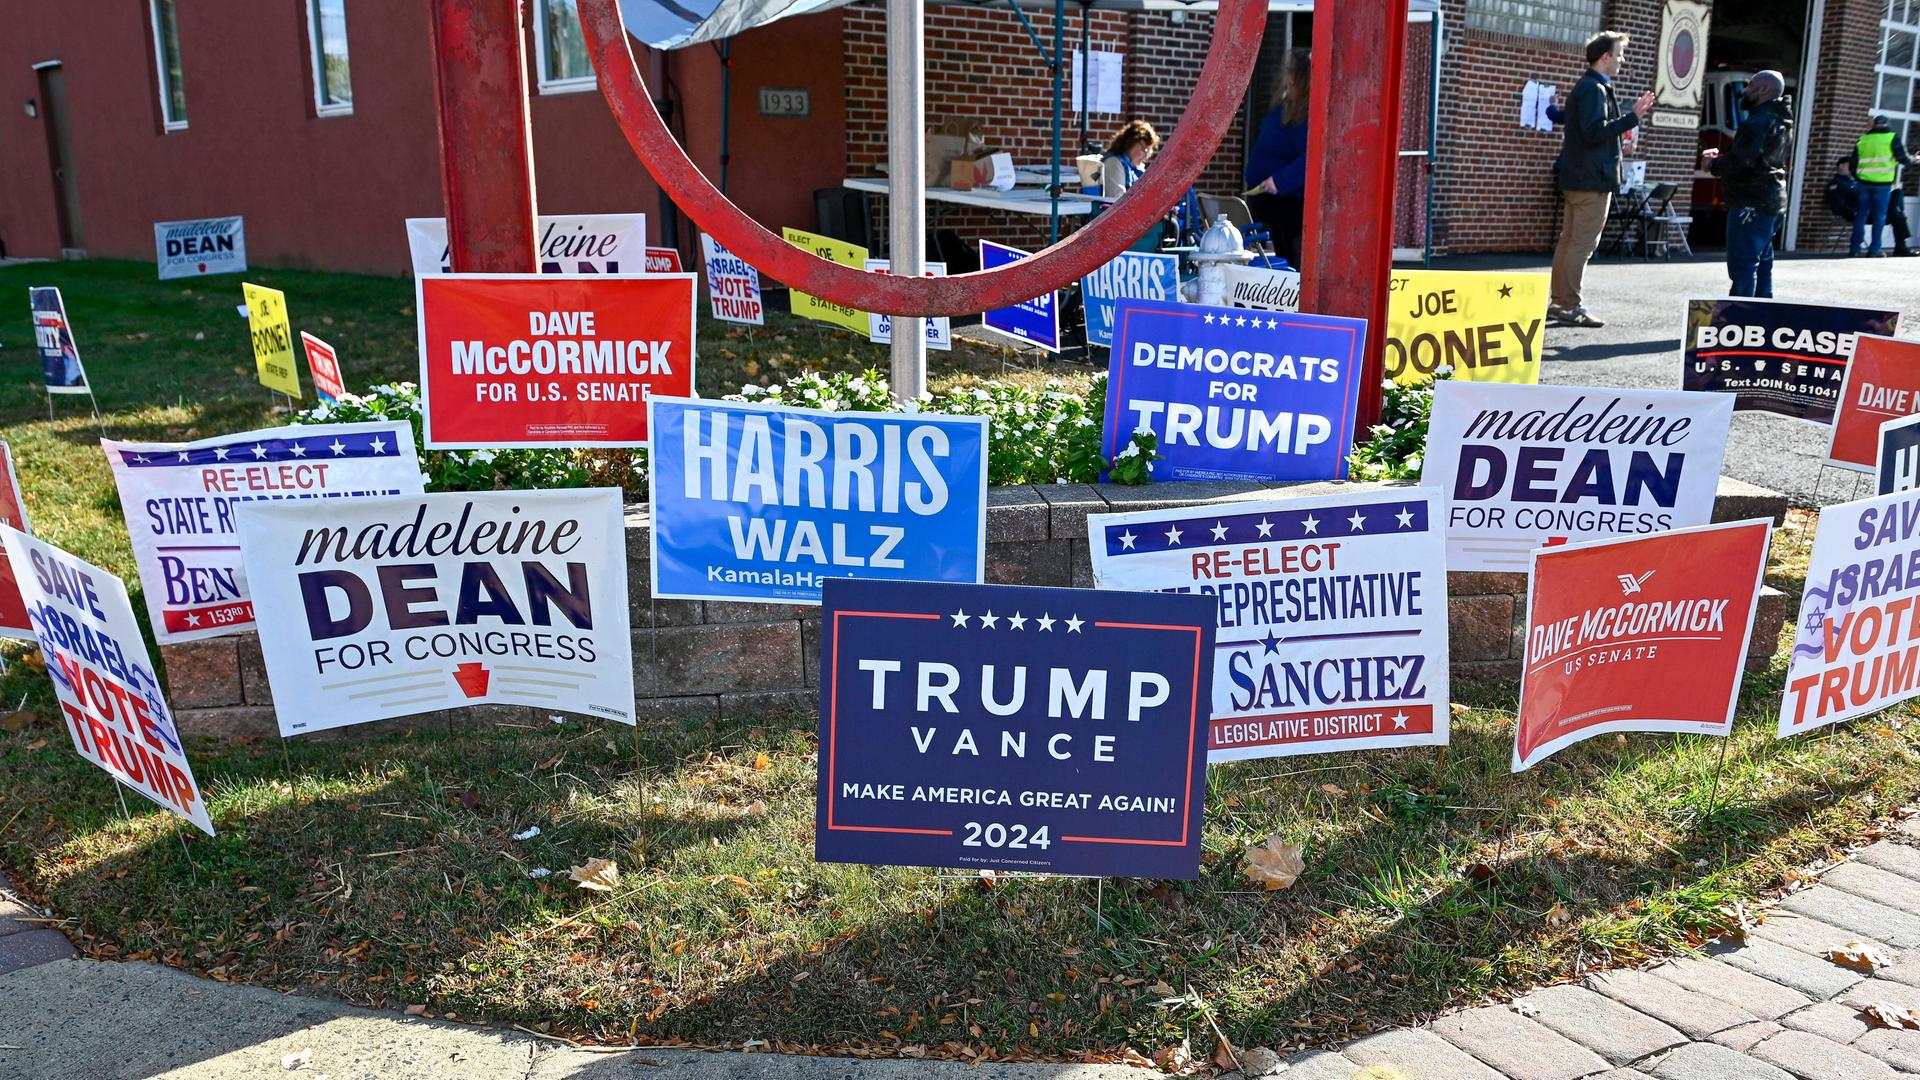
314 118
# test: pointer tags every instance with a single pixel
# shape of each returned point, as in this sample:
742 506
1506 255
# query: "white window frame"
550 85
167 122
1906 120
321 107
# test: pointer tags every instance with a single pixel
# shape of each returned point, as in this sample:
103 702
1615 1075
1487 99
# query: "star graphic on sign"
1273 324
184 455
1506 292
1219 531
1272 643
259 451
1265 527
1241 321
1126 540
960 617
193 620
1045 622
299 450
1405 518
1814 619
338 448
1209 320
1356 522
989 620
1400 721
220 453
1310 523
1074 623
1017 622
141 458
1173 534
378 444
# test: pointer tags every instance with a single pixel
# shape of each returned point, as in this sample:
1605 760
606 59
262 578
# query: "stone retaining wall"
695 660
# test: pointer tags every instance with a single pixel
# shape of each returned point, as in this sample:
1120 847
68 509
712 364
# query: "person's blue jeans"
1872 215
1750 250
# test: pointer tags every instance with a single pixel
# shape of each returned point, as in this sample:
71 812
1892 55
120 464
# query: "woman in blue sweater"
1277 164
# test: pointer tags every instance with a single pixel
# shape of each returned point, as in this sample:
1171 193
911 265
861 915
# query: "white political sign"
568 244
733 285
200 247
1262 289
939 331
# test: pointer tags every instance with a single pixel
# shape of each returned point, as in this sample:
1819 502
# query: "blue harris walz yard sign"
1233 394
1145 275
763 503
1035 321
1011 728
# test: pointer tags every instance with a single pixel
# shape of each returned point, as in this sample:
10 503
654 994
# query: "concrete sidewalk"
1769 1008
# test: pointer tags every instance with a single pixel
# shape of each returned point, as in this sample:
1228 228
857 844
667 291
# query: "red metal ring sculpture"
1211 110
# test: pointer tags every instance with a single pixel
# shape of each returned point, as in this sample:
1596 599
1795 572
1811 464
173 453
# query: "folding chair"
1671 226
1656 218
1252 233
1628 211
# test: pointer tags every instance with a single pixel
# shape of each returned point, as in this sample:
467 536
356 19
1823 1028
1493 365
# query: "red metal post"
486 138
1353 153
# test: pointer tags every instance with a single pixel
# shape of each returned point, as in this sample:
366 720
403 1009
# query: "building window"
166 54
332 82
1897 90
1569 22
562 48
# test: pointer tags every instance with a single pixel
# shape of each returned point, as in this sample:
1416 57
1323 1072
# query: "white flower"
483 456
911 407
1143 429
322 412
1149 466
425 479
1131 450
1443 369
1413 462
749 391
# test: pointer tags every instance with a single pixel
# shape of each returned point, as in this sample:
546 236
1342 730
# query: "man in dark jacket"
1590 171
1753 173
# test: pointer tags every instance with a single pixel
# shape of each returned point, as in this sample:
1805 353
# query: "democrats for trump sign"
764 502
1521 467
198 248
997 727
179 498
1233 394
1775 355
1638 634
526 360
108 690
393 606
53 336
1139 274
1332 614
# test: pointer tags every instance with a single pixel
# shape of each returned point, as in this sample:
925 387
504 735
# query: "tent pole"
1086 68
726 107
1059 88
907 182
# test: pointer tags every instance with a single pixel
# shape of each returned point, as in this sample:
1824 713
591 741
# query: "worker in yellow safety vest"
1877 158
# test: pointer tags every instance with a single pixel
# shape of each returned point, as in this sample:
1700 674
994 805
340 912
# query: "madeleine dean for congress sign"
401 605
196 248
764 503
526 360
998 727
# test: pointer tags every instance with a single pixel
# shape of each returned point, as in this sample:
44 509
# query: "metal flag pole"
907 182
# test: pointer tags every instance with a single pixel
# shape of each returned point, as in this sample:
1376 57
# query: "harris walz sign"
1000 727
1776 356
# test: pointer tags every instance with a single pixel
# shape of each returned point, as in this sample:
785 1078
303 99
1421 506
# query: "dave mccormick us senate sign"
1010 728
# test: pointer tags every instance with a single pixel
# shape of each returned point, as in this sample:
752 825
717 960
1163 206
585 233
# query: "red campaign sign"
13 511
1882 384
548 360
325 367
1643 634
663 260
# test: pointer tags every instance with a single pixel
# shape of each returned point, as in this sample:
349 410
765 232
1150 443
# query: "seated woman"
1124 163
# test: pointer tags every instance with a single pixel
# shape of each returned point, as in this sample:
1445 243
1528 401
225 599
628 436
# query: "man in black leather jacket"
1754 173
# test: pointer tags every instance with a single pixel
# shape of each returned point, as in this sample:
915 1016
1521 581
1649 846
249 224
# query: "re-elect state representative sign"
13 513
108 690
1775 355
1234 395
178 500
1009 728
1526 466
528 360
394 606
1487 325
1641 634
198 248
1882 383
1856 648
1332 614
764 502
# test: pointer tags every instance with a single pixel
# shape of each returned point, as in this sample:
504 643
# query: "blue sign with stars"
1035 321
1002 727
1233 394
1332 614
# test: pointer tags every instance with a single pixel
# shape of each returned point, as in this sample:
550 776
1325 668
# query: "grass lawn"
384 869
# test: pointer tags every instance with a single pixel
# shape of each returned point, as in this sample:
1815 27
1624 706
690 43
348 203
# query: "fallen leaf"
291 1062
470 799
416 1010
1857 956
1274 864
756 807
1558 915
16 721
1161 988
1174 1059
37 744
1890 1016
761 761
599 875
1333 789
1458 709
1223 1056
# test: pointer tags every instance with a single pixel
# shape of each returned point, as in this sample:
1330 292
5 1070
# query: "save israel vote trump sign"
1000 727
1233 394
764 503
